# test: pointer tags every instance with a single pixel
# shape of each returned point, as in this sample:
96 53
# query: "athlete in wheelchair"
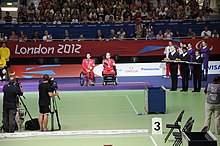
88 65
109 70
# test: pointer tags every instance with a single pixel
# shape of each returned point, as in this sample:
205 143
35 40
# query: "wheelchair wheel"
81 79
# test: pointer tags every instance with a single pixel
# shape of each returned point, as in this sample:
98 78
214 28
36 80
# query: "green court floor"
111 110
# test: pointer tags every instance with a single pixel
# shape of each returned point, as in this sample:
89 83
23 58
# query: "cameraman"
10 100
45 92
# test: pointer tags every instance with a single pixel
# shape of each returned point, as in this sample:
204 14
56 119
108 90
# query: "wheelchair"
82 78
110 77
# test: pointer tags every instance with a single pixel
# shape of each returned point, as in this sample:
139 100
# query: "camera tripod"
36 125
53 109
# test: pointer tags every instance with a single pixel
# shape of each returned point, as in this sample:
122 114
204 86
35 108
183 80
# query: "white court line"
102 115
72 133
74 137
131 104
155 144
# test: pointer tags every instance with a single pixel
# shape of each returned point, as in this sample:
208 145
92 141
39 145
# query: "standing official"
212 104
10 100
88 65
191 52
205 53
197 72
167 52
173 69
184 69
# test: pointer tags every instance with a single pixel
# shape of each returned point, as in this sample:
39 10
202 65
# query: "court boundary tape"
72 133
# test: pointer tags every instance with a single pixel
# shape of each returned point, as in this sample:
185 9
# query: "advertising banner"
99 48
73 70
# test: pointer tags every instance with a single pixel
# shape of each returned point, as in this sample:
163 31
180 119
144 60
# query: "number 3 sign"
157 125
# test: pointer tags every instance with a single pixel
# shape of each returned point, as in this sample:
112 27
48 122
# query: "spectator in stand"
13 37
65 8
113 35
93 16
187 12
111 19
107 16
215 34
75 19
177 34
121 33
3 37
22 17
47 37
36 37
100 10
66 17
191 34
22 36
99 35
138 30
57 17
8 17
200 16
159 36
81 37
126 14
162 13
206 33
168 34
67 36
148 31
144 14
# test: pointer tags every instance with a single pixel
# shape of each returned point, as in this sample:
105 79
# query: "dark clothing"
36 38
10 101
44 109
197 73
9 123
174 70
44 98
205 53
10 96
184 69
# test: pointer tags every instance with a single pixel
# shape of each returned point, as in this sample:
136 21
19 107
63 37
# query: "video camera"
53 84
17 83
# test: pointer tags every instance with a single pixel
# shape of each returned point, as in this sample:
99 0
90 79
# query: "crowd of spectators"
111 11
140 32
99 11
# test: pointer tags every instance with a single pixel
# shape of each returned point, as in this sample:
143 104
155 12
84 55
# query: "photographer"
45 92
10 100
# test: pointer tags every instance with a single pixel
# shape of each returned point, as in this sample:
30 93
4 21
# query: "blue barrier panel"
90 30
